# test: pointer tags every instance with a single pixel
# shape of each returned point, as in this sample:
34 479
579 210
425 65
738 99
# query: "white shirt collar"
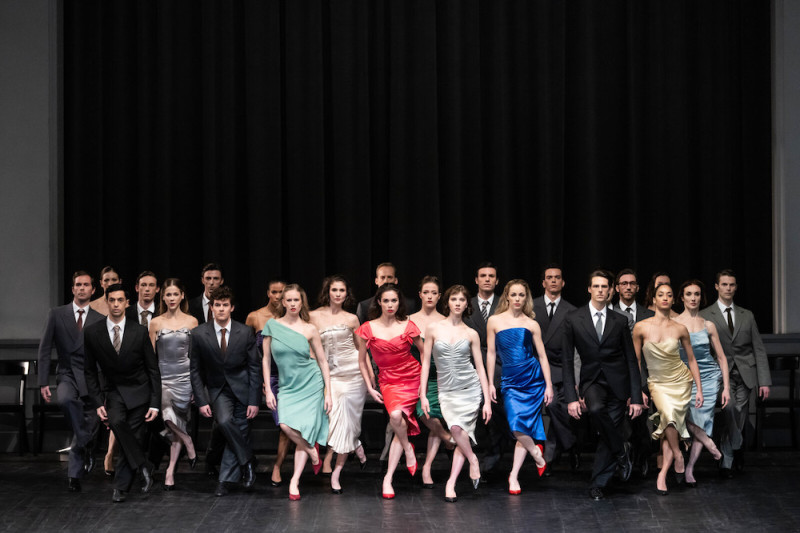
151 309
227 327
490 300
110 325
723 307
593 312
624 307
548 301
75 308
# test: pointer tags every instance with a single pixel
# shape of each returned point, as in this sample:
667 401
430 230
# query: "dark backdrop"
300 138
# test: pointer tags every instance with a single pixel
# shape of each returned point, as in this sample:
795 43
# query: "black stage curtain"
300 138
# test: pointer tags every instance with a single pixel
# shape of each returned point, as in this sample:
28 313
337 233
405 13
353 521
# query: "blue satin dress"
710 377
522 382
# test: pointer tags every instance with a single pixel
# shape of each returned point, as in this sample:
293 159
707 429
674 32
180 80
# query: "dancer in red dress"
389 335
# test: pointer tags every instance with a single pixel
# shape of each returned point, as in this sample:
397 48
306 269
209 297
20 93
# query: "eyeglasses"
627 283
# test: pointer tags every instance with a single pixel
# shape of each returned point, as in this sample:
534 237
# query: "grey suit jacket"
239 368
552 333
61 331
744 347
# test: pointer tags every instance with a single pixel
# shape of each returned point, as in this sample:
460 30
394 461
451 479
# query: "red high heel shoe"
413 469
317 467
542 468
513 492
388 496
294 497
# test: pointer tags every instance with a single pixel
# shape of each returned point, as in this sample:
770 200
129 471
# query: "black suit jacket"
131 314
476 322
552 333
363 308
133 373
196 309
239 368
61 331
641 314
613 355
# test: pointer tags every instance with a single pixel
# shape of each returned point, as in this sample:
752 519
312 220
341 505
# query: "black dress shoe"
624 464
212 472
249 475
147 474
88 460
644 467
596 493
222 490
74 484
118 496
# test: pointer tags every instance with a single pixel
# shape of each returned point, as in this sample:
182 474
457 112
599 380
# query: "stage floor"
764 497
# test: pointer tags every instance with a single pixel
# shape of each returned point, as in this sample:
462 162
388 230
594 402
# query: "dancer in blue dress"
512 334
703 335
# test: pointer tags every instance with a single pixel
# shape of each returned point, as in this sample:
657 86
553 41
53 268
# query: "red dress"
398 370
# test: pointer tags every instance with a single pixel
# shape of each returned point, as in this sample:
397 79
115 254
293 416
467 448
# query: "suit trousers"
560 435
606 412
231 417
734 417
129 430
82 418
216 446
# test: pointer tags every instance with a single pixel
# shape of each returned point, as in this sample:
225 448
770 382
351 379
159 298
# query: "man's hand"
101 412
205 411
151 415
574 409
252 411
763 392
46 393
635 410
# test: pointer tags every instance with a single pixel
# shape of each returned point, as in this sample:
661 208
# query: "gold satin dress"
670 384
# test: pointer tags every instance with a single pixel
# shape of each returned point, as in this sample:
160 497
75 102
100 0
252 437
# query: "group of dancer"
457 362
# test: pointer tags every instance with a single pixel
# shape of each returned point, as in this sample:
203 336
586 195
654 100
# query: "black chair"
12 397
790 364
42 410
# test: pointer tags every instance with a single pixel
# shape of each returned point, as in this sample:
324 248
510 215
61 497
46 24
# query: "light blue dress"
710 376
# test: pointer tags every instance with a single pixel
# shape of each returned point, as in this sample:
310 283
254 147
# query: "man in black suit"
64 329
748 366
384 273
227 381
498 435
132 391
145 308
627 285
200 306
550 310
609 377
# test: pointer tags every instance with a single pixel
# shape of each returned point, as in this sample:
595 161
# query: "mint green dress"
301 389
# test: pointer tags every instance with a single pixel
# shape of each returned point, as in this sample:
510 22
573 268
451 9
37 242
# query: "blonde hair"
304 315
527 307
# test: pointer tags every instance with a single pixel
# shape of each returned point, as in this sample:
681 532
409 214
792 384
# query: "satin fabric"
710 377
398 371
348 390
460 392
670 384
522 382
301 401
173 348
432 392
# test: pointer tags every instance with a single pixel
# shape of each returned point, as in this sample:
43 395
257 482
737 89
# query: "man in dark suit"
64 329
384 273
498 435
145 309
747 363
550 310
123 351
609 377
627 285
200 306
226 381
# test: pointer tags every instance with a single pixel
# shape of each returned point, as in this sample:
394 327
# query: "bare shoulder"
712 329
532 325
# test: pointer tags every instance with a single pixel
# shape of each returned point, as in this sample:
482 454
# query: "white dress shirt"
110 326
75 312
548 301
593 313
151 311
723 307
206 303
218 329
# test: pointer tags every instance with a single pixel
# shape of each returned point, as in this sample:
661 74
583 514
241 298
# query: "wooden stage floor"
764 497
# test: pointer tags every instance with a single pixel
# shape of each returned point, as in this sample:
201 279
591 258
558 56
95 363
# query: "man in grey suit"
747 364
64 330
226 381
498 435
627 285
550 310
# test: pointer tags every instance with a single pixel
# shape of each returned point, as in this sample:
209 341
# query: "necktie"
209 316
485 310
223 346
80 319
117 342
629 310
598 326
730 319
552 307
143 321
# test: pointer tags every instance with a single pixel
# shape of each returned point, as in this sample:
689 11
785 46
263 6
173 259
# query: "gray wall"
786 164
26 252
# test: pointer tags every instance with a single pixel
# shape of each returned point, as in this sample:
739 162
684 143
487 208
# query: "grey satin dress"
173 350
460 392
